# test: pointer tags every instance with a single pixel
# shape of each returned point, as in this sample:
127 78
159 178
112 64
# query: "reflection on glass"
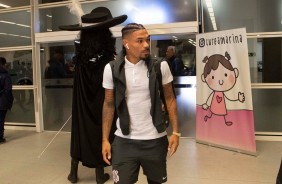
23 107
267 101
57 92
13 3
178 50
57 62
57 101
58 67
254 15
265 60
19 66
15 29
140 11
186 110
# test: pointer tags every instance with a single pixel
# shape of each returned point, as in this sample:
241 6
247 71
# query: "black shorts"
128 155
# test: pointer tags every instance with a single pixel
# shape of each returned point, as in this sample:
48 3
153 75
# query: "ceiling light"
4 5
18 35
14 35
209 4
13 23
24 36
210 10
7 22
23 25
211 13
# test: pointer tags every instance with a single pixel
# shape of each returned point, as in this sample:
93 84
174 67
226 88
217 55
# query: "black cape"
88 99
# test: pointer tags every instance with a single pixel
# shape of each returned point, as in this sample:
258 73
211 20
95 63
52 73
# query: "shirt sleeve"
166 74
108 77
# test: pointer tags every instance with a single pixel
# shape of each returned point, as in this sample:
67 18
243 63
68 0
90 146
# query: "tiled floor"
24 161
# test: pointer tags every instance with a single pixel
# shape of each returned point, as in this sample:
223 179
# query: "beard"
144 56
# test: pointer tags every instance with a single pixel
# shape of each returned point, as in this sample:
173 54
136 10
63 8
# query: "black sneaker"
103 179
2 140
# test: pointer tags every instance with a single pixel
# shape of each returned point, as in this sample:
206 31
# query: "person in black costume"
95 49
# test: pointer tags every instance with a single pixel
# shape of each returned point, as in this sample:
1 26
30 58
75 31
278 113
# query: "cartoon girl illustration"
220 76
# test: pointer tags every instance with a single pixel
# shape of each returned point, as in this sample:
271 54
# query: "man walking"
132 89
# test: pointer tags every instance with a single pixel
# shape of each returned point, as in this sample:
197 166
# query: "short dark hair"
131 27
2 61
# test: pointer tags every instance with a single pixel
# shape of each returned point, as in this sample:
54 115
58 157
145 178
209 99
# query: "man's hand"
106 152
173 144
108 114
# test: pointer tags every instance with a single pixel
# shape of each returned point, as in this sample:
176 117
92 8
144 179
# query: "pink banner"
224 99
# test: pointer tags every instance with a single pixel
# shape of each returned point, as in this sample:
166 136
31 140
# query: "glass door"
179 50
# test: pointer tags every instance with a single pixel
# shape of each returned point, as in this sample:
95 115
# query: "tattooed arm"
108 115
172 112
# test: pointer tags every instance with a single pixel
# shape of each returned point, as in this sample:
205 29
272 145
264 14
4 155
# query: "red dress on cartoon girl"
218 104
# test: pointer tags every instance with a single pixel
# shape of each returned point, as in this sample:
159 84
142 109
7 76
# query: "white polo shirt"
138 99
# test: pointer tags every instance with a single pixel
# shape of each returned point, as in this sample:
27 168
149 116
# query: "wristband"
177 134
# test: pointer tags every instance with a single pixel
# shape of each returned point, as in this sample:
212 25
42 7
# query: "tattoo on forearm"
108 113
171 106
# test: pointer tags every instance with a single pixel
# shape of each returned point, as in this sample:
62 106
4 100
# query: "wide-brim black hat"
98 18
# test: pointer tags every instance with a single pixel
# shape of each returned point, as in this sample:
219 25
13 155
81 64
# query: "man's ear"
203 78
124 42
